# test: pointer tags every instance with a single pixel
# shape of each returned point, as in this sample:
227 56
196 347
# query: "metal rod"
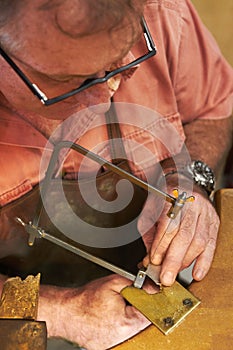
87 256
103 162
122 172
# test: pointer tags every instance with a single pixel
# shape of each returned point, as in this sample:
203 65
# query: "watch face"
203 175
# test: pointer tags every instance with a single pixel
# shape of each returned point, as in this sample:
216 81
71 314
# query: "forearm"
209 141
94 316
48 309
54 309
206 140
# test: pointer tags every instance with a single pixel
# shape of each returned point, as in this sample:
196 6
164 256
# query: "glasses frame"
89 82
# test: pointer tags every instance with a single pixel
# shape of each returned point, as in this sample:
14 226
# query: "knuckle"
216 222
184 236
200 242
173 260
212 243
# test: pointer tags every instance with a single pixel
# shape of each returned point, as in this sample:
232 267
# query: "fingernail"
168 278
199 274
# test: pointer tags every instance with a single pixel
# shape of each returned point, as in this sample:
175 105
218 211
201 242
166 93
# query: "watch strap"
199 172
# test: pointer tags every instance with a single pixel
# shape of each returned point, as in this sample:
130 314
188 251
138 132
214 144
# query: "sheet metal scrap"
18 311
165 309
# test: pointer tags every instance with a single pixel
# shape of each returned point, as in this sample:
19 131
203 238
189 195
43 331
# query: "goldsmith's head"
60 43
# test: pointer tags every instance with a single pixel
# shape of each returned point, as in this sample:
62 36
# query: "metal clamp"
180 200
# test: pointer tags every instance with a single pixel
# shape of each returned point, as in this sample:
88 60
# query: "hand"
94 316
192 235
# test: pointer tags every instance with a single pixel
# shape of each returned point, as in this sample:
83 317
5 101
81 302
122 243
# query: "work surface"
210 326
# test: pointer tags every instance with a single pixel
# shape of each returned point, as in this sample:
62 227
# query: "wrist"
198 172
62 310
50 309
174 180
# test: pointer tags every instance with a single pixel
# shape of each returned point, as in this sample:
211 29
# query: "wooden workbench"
210 326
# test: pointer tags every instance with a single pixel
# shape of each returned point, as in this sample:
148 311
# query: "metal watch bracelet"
198 171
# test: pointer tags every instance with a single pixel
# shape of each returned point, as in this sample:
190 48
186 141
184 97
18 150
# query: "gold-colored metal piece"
18 312
165 309
175 193
19 298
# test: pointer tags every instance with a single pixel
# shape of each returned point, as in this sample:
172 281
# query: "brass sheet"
165 309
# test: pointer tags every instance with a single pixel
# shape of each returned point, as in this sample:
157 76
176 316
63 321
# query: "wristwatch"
202 175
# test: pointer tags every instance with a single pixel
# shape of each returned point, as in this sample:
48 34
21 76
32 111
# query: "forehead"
53 41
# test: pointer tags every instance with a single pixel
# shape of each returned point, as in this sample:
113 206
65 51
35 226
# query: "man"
61 44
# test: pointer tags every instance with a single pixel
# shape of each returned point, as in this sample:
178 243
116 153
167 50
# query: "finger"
205 259
146 260
117 283
178 248
148 238
147 220
206 231
146 227
198 244
166 231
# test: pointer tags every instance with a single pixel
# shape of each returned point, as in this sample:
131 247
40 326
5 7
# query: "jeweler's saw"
170 305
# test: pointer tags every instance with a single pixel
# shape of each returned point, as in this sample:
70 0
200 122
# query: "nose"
97 98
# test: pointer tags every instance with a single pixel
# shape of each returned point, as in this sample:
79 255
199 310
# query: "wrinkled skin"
97 311
192 235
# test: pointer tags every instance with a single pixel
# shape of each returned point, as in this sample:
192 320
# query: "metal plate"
165 309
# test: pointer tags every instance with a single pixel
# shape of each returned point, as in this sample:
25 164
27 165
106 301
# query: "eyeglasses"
89 82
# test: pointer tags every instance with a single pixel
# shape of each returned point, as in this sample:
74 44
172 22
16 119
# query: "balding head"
74 18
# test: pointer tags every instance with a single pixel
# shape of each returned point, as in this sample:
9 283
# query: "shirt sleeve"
204 80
